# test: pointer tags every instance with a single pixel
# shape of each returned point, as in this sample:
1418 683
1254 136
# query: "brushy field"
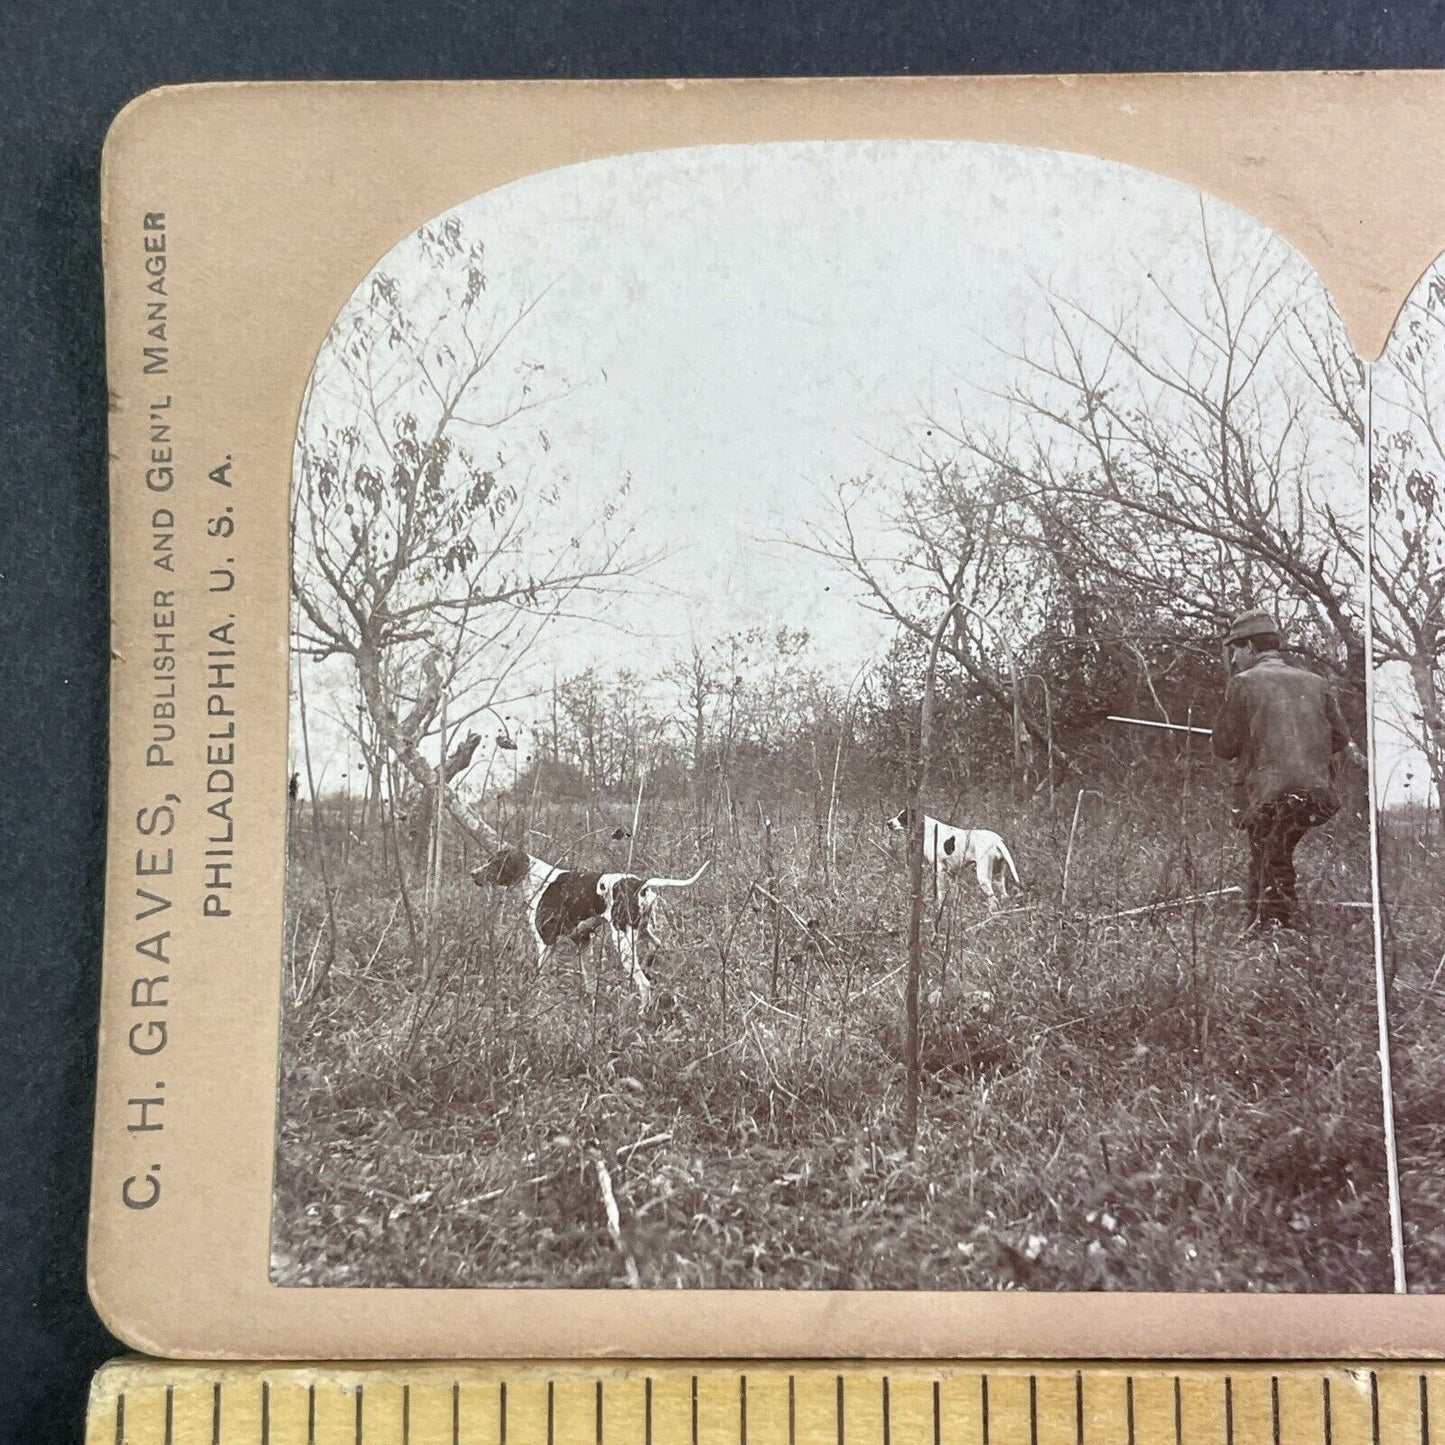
1412 882
1136 1103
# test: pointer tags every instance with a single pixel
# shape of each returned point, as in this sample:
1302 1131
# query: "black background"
64 73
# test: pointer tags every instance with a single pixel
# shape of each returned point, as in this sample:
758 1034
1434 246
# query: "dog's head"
505 869
902 821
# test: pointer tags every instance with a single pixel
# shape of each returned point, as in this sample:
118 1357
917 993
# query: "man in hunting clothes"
1282 728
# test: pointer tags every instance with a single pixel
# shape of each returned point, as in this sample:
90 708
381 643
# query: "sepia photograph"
1407 472
830 696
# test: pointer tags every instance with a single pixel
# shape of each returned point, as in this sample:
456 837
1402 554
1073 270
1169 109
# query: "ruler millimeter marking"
155 1402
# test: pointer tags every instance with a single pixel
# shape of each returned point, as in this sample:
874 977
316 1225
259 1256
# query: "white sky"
737 326
1402 773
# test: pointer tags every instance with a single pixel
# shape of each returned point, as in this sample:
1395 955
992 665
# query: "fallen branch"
628 1150
792 913
768 1064
492 1194
614 1225
380 942
809 928
995 917
1066 1024
301 990
972 927
758 998
1168 903
877 983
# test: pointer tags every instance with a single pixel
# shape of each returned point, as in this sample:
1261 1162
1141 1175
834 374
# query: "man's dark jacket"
1281 726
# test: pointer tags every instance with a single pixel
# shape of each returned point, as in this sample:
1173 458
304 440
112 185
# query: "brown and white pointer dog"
564 904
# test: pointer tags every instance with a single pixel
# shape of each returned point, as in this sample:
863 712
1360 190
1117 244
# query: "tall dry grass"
1142 1103
1412 881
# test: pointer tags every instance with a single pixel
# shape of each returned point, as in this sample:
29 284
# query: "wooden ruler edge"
1243 1402
140 1371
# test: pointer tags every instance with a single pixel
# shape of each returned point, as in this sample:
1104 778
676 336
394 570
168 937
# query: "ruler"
153 1402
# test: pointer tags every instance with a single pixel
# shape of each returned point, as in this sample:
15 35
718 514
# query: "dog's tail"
1008 858
677 882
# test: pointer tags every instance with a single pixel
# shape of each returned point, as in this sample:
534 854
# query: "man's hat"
1256 623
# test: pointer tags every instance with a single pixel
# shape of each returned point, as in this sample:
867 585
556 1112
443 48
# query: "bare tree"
1214 443
954 536
431 543
1407 486
696 682
1132 481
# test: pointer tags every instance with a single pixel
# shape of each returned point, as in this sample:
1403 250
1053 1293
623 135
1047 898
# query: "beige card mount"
530 508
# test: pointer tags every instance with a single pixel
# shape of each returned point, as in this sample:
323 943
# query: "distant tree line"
1163 465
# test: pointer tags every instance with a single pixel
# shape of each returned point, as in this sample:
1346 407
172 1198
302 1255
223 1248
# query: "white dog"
949 850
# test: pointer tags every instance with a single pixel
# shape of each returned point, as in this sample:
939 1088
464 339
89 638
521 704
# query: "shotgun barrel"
1141 722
